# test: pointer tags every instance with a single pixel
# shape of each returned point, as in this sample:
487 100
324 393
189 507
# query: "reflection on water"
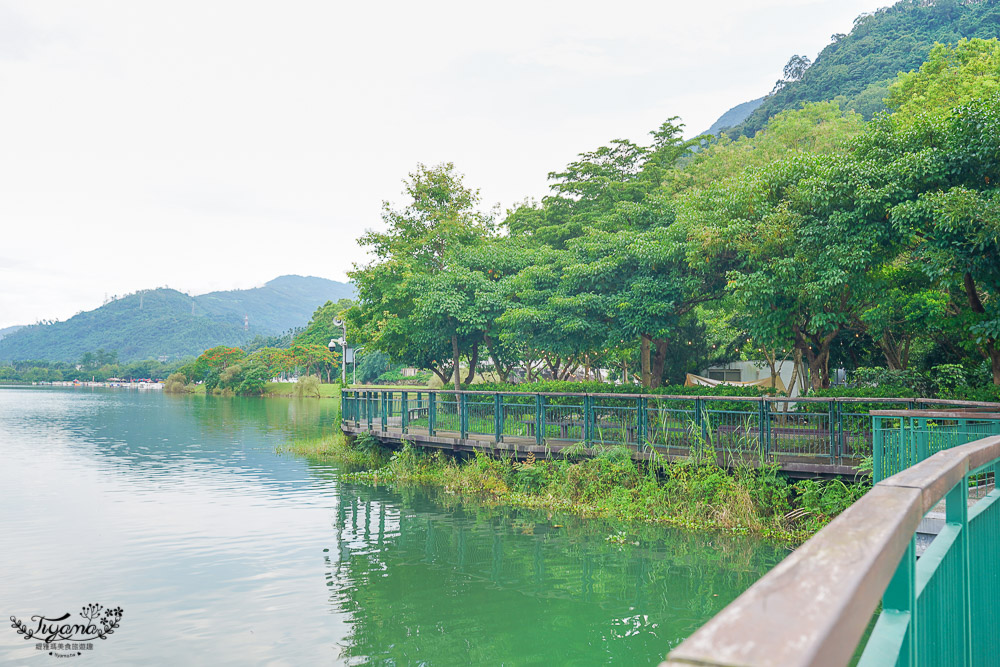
222 552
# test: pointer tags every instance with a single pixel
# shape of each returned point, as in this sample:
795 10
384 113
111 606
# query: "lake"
220 550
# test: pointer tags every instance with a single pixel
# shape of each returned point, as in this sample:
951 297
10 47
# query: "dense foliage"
821 239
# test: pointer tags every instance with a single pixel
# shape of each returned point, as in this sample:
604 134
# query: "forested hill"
855 69
165 322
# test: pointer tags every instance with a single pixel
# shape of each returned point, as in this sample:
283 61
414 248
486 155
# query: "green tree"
412 260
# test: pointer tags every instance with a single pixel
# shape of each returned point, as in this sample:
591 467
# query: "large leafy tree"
939 173
408 305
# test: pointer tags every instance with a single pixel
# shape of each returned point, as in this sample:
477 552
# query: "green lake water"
221 551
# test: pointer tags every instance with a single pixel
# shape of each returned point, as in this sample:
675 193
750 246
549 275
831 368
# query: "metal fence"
814 607
904 438
836 430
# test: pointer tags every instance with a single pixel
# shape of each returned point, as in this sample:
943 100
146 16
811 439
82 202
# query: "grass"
285 389
336 447
695 493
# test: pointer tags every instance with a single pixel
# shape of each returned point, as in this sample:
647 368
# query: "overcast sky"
214 145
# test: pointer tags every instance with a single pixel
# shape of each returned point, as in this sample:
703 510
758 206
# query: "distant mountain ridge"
6 331
734 116
167 323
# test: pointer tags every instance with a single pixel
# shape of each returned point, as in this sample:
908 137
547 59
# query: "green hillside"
855 69
168 323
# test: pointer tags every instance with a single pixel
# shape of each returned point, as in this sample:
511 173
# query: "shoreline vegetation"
695 493
306 387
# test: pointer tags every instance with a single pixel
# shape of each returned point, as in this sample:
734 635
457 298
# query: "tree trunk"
491 350
816 349
647 374
796 362
891 352
994 355
473 362
772 363
455 360
586 367
991 344
819 371
553 366
445 377
659 361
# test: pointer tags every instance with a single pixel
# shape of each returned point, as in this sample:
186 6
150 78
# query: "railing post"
463 417
384 398
588 419
699 420
921 439
762 427
841 442
832 425
878 443
368 408
431 412
539 419
642 417
404 411
498 417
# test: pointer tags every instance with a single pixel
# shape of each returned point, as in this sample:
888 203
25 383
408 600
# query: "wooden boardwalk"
796 465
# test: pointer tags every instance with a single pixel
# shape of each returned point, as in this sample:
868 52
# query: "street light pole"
337 322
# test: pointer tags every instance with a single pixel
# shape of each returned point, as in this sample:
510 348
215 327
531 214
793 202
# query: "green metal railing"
814 607
832 430
902 439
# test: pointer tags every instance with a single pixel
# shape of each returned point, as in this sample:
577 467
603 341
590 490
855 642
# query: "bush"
592 387
176 384
396 377
307 385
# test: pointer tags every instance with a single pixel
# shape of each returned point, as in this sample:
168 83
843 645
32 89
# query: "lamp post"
337 322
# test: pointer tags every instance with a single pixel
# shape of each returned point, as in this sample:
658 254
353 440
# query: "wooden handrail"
814 606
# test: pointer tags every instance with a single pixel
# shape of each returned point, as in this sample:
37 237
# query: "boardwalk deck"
796 465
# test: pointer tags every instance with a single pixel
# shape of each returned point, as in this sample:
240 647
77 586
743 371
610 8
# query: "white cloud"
211 145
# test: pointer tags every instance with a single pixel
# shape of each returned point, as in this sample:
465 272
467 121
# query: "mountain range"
166 323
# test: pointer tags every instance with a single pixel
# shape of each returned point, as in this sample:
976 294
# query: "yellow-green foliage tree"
951 76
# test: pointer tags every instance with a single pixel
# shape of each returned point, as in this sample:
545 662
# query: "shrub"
307 385
176 384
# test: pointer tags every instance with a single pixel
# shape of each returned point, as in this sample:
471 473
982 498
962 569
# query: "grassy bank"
695 493
288 389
